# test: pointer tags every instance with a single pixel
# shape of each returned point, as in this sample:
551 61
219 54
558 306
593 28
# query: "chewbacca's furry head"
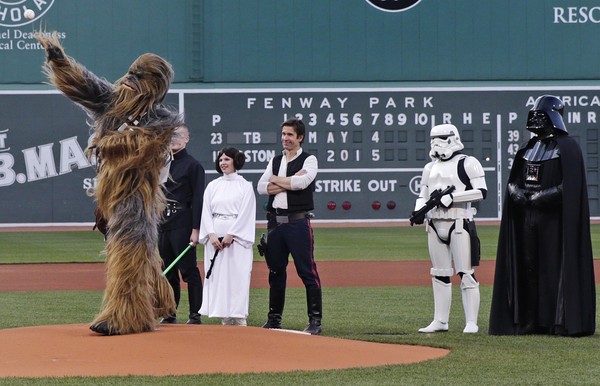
150 74
145 85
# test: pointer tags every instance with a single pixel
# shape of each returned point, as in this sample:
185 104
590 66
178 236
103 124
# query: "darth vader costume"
544 279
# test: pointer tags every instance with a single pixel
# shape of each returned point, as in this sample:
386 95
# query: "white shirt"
311 166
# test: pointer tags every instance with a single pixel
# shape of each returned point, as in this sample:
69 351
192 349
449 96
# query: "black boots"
276 303
315 311
195 301
171 319
194 319
314 306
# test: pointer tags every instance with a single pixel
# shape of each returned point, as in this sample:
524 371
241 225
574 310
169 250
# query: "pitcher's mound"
73 350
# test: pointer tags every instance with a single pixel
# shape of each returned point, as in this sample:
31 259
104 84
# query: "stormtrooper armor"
450 225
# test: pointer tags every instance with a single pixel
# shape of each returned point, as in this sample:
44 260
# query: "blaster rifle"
434 200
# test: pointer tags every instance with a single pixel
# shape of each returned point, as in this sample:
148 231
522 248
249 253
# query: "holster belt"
284 219
174 206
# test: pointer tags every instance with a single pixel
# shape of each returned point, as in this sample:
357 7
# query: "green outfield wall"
216 41
369 78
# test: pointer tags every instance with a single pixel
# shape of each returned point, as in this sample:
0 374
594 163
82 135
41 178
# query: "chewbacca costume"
131 144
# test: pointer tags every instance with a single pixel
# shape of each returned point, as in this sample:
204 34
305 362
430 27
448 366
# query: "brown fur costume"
132 133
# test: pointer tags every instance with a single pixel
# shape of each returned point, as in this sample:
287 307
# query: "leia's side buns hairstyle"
237 156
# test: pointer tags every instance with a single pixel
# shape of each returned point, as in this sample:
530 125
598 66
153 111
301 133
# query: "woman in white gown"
229 212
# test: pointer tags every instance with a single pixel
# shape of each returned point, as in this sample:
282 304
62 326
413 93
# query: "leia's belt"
224 216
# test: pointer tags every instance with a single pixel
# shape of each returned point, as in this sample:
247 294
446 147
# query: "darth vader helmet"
545 117
445 141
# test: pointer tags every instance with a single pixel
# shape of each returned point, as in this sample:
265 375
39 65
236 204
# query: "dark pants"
170 244
295 238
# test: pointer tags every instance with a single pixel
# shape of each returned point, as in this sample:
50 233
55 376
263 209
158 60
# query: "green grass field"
378 314
331 244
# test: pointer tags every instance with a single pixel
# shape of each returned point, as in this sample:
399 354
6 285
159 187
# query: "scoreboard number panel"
372 144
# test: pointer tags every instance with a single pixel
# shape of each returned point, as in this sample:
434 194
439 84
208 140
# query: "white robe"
227 291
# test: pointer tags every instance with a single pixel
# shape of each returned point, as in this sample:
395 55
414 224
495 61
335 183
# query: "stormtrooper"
449 184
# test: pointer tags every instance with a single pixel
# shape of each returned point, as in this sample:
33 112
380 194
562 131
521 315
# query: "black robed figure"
544 280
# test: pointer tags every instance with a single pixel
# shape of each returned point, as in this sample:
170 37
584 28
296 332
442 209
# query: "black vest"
297 200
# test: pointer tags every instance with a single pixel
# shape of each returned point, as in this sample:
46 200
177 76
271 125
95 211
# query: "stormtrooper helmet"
445 141
545 117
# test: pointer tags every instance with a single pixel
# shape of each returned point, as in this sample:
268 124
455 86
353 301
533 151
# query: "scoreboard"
372 144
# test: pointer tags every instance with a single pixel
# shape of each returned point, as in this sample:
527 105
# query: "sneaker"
240 322
227 321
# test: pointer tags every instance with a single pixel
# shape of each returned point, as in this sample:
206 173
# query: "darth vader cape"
576 299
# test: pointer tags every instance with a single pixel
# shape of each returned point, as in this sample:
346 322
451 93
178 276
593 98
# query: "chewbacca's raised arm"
72 78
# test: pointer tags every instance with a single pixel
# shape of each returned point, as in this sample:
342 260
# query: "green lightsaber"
177 259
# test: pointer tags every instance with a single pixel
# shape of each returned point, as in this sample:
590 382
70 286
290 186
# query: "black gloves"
517 194
547 197
544 198
417 220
